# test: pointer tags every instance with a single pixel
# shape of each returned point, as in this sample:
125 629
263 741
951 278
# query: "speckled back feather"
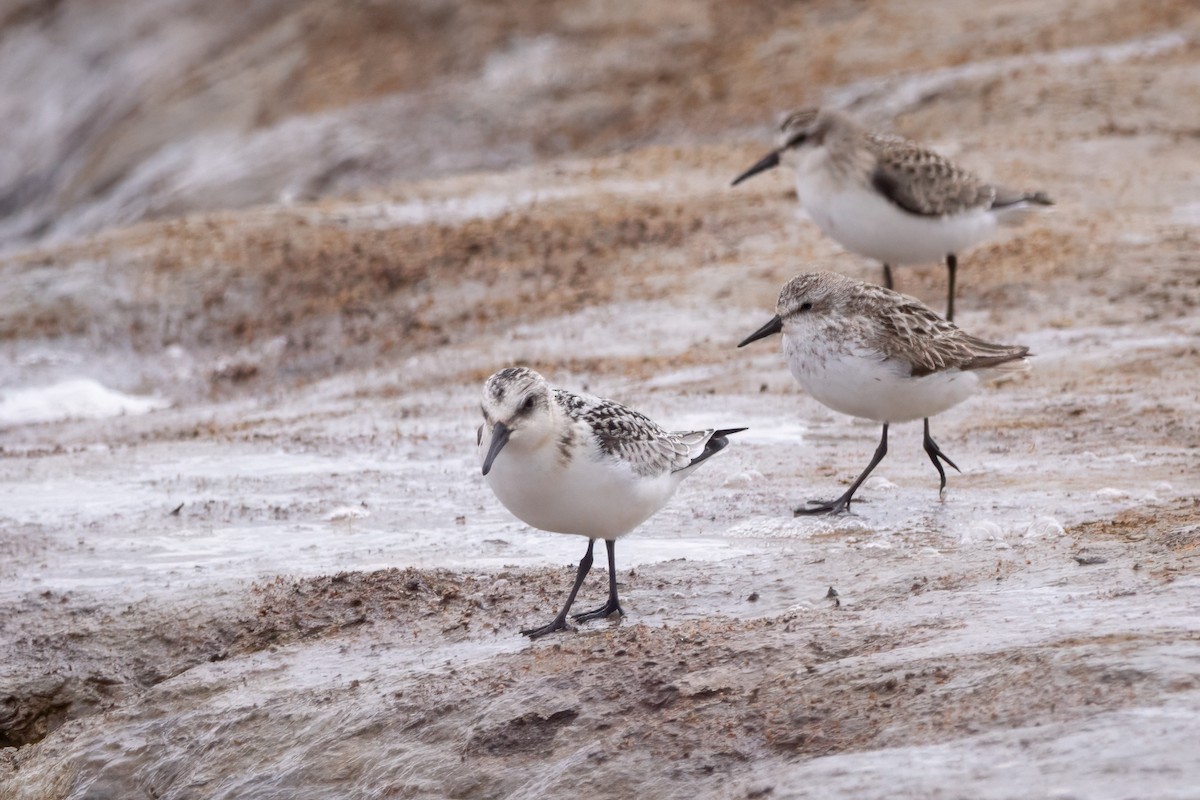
907 330
923 182
622 433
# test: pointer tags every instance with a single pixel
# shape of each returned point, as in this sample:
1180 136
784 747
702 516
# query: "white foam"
1044 526
344 513
741 480
79 398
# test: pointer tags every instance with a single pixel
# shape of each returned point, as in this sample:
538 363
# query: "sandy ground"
294 583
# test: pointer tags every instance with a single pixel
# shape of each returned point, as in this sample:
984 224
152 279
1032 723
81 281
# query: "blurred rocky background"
117 112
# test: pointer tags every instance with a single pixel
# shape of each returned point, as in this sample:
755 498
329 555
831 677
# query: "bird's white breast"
860 382
600 498
860 219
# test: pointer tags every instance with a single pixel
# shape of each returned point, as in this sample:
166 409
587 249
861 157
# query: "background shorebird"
888 198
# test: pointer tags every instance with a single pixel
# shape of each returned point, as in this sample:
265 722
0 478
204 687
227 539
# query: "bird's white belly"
597 499
865 222
864 385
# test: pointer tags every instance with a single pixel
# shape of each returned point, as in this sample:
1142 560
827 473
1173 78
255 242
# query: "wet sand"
294 583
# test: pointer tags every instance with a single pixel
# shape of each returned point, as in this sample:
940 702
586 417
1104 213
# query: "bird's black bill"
771 328
500 434
769 161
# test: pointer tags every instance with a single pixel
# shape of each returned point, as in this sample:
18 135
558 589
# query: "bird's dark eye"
528 404
806 306
797 139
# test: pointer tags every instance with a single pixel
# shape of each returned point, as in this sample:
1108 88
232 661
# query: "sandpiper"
888 198
870 352
573 463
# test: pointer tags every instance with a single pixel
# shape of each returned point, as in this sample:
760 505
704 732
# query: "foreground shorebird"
870 352
573 463
887 198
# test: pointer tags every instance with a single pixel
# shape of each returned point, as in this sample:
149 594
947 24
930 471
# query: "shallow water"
370 491
191 596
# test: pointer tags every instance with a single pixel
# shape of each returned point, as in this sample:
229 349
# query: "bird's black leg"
936 453
559 623
843 502
887 277
952 268
613 606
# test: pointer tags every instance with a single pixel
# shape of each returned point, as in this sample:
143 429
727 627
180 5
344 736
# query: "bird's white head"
804 301
813 294
797 133
517 408
800 133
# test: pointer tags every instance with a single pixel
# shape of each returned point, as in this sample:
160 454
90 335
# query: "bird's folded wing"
922 182
630 436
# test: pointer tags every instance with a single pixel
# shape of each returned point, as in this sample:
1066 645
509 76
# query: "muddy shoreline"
292 582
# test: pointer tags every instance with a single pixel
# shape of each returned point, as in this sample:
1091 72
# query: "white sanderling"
870 352
573 463
888 198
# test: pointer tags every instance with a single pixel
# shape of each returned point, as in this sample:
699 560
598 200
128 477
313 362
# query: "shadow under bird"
888 198
873 353
573 463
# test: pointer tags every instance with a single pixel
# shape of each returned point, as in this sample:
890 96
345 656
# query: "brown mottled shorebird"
870 352
888 198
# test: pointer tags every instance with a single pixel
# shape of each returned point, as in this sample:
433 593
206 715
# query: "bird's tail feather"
1013 208
715 444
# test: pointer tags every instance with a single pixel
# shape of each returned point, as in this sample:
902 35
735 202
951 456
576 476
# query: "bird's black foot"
603 612
842 504
558 624
937 456
814 507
